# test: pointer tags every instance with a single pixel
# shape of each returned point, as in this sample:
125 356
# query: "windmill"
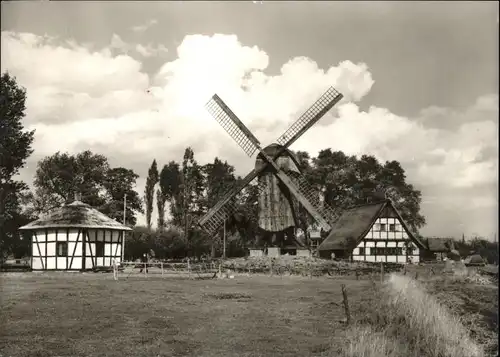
276 167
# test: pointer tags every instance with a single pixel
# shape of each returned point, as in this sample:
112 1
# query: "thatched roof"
474 259
440 244
355 223
75 215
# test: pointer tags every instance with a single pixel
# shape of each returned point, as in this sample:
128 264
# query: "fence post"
346 305
115 275
161 265
145 269
189 268
271 267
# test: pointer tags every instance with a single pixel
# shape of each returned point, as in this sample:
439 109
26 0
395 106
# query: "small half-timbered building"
75 237
374 232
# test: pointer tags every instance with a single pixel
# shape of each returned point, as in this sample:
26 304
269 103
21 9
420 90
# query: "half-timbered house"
374 232
75 237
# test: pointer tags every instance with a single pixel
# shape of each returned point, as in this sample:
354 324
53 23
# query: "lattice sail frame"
249 143
232 124
310 117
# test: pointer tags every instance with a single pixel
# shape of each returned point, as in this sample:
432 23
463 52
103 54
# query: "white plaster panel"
367 251
107 249
42 248
370 244
416 251
384 235
51 263
37 263
118 252
73 235
380 244
369 235
401 244
401 259
51 248
51 234
76 264
90 249
117 259
40 236
391 244
100 261
370 258
392 258
71 248
383 220
358 258
88 263
113 248
61 235
416 259
399 235
61 263
405 235
355 251
380 258
34 250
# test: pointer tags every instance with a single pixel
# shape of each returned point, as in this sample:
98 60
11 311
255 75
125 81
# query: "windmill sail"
310 117
233 125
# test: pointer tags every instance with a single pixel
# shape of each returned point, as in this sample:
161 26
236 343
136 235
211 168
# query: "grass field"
72 314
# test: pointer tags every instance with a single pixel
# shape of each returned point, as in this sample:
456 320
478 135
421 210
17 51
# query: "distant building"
75 237
373 232
440 248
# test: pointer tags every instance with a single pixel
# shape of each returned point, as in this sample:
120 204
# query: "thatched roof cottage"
75 237
373 232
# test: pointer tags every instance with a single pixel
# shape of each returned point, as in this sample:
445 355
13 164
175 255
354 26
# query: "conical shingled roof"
75 215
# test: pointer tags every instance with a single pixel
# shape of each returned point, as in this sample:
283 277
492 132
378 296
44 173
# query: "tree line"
183 190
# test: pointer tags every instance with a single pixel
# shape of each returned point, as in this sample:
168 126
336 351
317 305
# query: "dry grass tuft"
366 342
408 316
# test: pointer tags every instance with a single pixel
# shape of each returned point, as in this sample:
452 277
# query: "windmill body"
280 182
276 207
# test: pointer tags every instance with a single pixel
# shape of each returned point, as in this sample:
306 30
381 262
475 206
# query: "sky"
129 80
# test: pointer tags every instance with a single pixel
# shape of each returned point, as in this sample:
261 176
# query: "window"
392 227
376 227
62 249
387 251
361 251
99 249
382 227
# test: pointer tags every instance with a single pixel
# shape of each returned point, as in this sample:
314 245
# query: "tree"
15 148
346 181
149 191
168 191
119 182
60 176
219 178
190 193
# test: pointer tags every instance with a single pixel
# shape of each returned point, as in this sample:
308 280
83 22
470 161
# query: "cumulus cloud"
144 27
81 98
147 50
